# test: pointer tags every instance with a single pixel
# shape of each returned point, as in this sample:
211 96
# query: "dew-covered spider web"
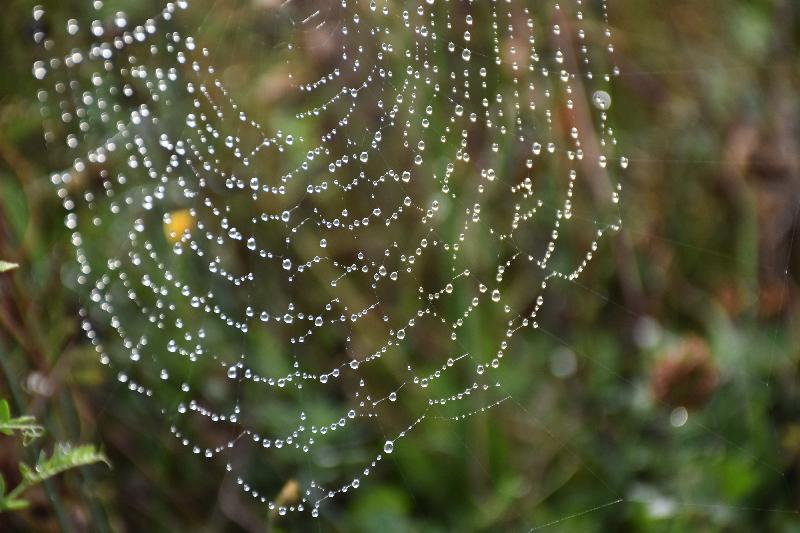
284 282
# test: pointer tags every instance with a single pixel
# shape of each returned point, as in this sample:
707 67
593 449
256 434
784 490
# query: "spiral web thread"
199 232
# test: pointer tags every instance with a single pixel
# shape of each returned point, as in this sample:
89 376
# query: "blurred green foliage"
64 457
694 305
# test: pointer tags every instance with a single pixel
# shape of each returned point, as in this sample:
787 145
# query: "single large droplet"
39 71
678 417
601 100
388 446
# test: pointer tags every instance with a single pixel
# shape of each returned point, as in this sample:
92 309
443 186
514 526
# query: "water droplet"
601 100
678 417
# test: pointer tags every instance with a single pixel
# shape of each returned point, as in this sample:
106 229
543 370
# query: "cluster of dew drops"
193 166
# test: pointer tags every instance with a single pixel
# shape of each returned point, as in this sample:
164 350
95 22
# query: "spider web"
440 170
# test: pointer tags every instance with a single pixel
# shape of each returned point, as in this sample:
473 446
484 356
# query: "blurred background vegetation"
672 380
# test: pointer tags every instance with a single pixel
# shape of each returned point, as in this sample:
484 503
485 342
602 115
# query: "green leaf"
64 458
5 266
5 411
26 471
13 504
31 431
24 424
2 487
